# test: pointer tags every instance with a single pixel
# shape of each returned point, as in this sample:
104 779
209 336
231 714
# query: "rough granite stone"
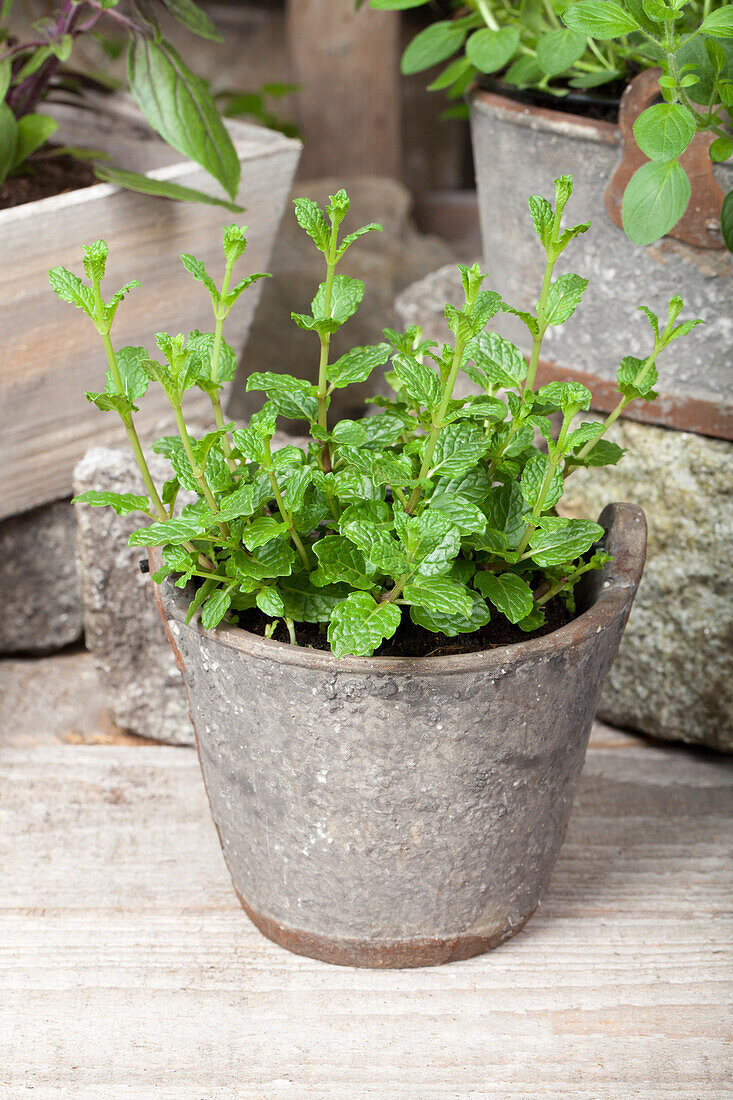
387 262
673 677
41 595
121 622
122 626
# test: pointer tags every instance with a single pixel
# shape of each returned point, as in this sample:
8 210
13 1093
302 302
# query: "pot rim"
615 586
545 118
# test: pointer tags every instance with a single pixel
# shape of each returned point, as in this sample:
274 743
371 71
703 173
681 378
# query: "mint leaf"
123 503
565 293
454 623
359 625
459 447
460 511
216 608
440 594
533 480
558 541
293 397
311 218
346 294
508 592
356 365
419 380
340 561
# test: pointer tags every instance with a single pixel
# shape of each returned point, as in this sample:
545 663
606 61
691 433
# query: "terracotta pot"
391 812
518 150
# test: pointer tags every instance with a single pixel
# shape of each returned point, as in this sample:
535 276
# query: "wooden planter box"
49 352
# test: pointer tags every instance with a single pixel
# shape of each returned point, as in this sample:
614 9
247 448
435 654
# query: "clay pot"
395 812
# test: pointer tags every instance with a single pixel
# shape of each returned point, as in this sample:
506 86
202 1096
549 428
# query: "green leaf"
419 379
293 397
178 105
69 288
490 50
111 402
559 50
135 379
533 479
604 453
501 361
147 185
304 604
474 485
459 447
664 131
122 503
460 511
6 72
340 561
237 504
349 239
201 349
726 221
599 19
433 44
346 294
451 624
452 73
568 396
432 542
356 365
311 218
261 531
721 149
359 625
719 23
505 510
376 544
627 375
508 592
655 199
270 602
565 293
216 608
557 541
190 15
173 532
543 217
440 594
33 132
523 72
197 268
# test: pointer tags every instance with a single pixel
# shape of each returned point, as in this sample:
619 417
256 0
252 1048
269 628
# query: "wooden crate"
49 352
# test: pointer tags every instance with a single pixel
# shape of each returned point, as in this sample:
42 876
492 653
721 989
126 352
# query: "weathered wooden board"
49 352
346 64
127 969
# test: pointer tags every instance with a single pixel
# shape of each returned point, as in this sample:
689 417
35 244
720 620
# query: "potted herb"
73 155
658 186
392 643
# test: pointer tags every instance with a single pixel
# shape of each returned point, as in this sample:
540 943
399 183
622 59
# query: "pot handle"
700 224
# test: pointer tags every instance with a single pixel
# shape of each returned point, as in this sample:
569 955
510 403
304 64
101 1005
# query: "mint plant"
438 509
176 103
557 45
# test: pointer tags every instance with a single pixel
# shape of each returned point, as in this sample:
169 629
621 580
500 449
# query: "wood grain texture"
348 104
127 969
50 353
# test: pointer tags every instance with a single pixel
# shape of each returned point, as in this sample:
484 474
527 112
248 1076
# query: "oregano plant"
555 46
438 510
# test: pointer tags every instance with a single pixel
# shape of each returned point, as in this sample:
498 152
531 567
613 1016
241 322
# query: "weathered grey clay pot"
518 151
394 812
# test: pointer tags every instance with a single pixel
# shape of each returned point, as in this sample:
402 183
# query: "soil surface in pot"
51 176
601 105
415 641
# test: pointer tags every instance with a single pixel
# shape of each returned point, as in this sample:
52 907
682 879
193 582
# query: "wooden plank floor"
128 970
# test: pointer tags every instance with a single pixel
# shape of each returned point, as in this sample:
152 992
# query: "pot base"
376 953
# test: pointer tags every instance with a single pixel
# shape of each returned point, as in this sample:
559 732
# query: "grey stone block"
121 622
41 595
673 677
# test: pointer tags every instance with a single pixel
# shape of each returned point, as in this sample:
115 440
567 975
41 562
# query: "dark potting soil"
415 641
601 105
50 176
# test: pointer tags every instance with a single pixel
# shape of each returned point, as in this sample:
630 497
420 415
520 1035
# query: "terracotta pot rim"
626 530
